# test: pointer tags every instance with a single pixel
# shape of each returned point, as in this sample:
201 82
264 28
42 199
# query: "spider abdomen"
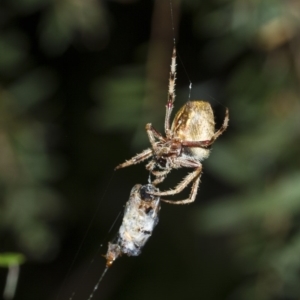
194 122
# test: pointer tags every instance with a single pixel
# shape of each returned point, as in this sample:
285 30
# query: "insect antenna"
89 226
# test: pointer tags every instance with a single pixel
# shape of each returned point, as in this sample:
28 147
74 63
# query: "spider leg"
183 184
221 130
151 165
215 136
136 159
191 197
152 134
171 93
160 176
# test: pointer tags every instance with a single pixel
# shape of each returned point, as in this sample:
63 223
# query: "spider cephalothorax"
185 144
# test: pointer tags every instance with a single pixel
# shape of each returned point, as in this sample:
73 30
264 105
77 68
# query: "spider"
185 144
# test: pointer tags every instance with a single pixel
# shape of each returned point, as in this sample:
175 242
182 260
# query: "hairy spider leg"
186 181
160 176
153 133
191 197
136 159
171 93
189 178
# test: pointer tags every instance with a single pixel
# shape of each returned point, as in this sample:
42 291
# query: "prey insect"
139 220
185 144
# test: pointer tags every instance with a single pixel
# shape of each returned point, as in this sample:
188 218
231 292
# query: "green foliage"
61 22
255 43
122 96
260 159
9 259
30 205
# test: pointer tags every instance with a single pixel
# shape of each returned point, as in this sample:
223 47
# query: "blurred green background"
78 82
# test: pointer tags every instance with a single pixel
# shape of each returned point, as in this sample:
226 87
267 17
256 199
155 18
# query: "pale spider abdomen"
194 122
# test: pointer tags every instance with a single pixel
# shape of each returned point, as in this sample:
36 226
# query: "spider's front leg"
136 159
153 134
171 93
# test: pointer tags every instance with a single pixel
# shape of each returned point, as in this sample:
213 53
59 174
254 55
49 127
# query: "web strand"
83 241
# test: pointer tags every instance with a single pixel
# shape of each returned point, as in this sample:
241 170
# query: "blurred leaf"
256 153
28 212
8 259
29 6
34 87
280 198
66 18
230 46
122 105
13 51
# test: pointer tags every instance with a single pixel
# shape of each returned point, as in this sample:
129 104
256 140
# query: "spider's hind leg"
191 197
205 144
160 176
221 130
183 184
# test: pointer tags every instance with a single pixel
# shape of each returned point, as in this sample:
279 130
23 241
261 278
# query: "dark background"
78 82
